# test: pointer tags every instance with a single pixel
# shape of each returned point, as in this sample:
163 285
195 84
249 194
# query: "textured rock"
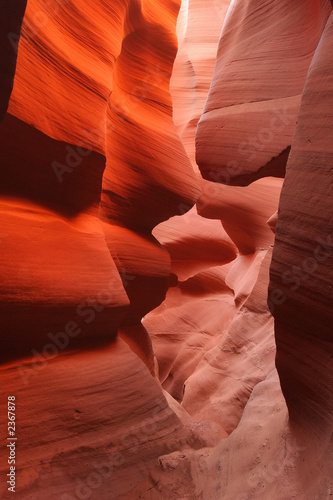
192 330
250 115
74 276
144 267
148 175
81 109
243 211
198 30
57 277
82 430
270 458
246 465
11 17
137 335
194 244
211 328
63 176
60 74
302 267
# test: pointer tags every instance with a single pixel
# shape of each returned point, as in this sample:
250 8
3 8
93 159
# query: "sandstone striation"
249 119
76 272
11 17
166 317
302 267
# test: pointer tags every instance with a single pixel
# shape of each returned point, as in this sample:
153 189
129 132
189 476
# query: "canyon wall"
302 266
11 17
91 162
140 228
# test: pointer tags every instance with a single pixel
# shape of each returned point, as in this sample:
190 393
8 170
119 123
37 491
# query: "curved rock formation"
83 431
137 337
77 273
243 211
277 462
302 266
11 17
249 119
98 107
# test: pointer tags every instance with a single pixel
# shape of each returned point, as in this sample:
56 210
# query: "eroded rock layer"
91 119
11 17
81 425
302 266
250 115
189 373
137 330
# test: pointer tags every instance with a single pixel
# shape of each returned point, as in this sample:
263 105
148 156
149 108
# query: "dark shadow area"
61 176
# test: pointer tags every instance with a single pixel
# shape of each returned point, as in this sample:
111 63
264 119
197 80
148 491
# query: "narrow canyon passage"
166 249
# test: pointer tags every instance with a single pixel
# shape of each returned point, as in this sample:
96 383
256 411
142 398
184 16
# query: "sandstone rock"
58 280
74 441
137 336
64 260
11 16
250 115
302 266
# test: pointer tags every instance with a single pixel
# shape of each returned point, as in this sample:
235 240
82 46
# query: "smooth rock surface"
250 115
136 331
302 267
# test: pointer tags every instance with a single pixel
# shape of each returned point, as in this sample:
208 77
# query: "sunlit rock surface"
88 120
249 119
137 330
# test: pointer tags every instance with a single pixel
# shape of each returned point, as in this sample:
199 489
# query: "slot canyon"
166 249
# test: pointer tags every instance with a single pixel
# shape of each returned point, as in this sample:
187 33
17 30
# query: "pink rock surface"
136 330
211 328
250 115
243 211
198 30
302 267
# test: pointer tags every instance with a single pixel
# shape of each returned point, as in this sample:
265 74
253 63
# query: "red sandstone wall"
101 159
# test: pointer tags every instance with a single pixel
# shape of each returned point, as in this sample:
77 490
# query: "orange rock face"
91 162
151 348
